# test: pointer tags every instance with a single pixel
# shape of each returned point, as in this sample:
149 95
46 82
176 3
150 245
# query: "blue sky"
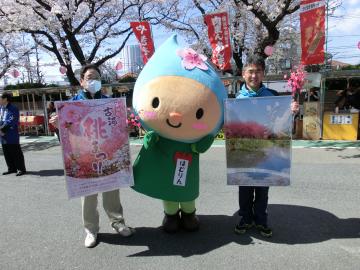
344 33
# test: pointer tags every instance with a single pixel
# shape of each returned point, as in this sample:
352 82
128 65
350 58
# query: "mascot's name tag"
182 163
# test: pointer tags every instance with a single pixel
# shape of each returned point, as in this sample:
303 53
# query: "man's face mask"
93 86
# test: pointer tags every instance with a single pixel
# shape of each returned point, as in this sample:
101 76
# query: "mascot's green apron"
154 168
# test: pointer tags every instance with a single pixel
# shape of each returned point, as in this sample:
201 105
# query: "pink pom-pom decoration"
269 50
119 66
15 73
62 70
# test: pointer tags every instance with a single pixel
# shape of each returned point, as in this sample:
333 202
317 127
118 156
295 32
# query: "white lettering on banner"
180 172
341 119
221 59
310 6
143 42
226 34
216 21
141 28
219 47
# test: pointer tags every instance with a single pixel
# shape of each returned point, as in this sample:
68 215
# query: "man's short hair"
8 96
255 60
87 67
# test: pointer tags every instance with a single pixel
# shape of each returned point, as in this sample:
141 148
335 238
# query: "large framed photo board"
258 141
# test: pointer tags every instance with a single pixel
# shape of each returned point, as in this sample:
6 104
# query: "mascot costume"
179 99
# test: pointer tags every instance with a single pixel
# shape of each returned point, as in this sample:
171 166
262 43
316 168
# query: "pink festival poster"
95 145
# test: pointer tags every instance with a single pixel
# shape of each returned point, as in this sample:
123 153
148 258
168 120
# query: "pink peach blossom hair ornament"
191 59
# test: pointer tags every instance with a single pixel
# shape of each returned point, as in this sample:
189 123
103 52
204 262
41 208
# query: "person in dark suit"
9 136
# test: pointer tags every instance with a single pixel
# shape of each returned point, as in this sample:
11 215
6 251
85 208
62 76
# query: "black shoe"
264 230
8 172
19 173
190 222
242 227
171 223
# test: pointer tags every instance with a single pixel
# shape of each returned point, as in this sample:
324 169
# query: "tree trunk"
71 76
238 61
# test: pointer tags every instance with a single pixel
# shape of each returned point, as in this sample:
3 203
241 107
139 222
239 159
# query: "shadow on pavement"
340 145
295 224
291 224
47 172
35 146
38 146
215 231
348 157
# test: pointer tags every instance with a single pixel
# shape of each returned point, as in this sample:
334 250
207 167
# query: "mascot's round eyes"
199 113
155 102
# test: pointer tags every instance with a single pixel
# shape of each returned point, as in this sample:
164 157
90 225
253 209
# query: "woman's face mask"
93 86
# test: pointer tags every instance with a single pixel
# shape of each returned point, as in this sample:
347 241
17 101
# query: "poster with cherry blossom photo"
95 145
258 141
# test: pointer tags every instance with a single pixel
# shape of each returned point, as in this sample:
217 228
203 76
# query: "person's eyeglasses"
256 71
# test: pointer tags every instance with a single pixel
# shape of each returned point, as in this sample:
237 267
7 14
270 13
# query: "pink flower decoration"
191 59
297 80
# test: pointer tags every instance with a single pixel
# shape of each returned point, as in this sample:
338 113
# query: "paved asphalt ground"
316 221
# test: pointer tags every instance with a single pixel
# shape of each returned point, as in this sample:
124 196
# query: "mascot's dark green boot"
189 222
171 223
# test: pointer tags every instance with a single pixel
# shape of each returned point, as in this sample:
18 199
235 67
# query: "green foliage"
28 86
251 145
127 79
351 67
220 135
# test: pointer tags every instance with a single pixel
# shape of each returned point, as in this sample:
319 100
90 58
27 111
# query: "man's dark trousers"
14 157
253 209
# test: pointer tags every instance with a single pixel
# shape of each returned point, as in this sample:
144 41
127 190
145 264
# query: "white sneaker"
122 229
90 239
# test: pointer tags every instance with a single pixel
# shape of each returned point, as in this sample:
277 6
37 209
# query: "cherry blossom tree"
12 52
254 24
76 31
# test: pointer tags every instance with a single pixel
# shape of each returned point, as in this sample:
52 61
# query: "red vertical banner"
142 32
219 36
312 23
